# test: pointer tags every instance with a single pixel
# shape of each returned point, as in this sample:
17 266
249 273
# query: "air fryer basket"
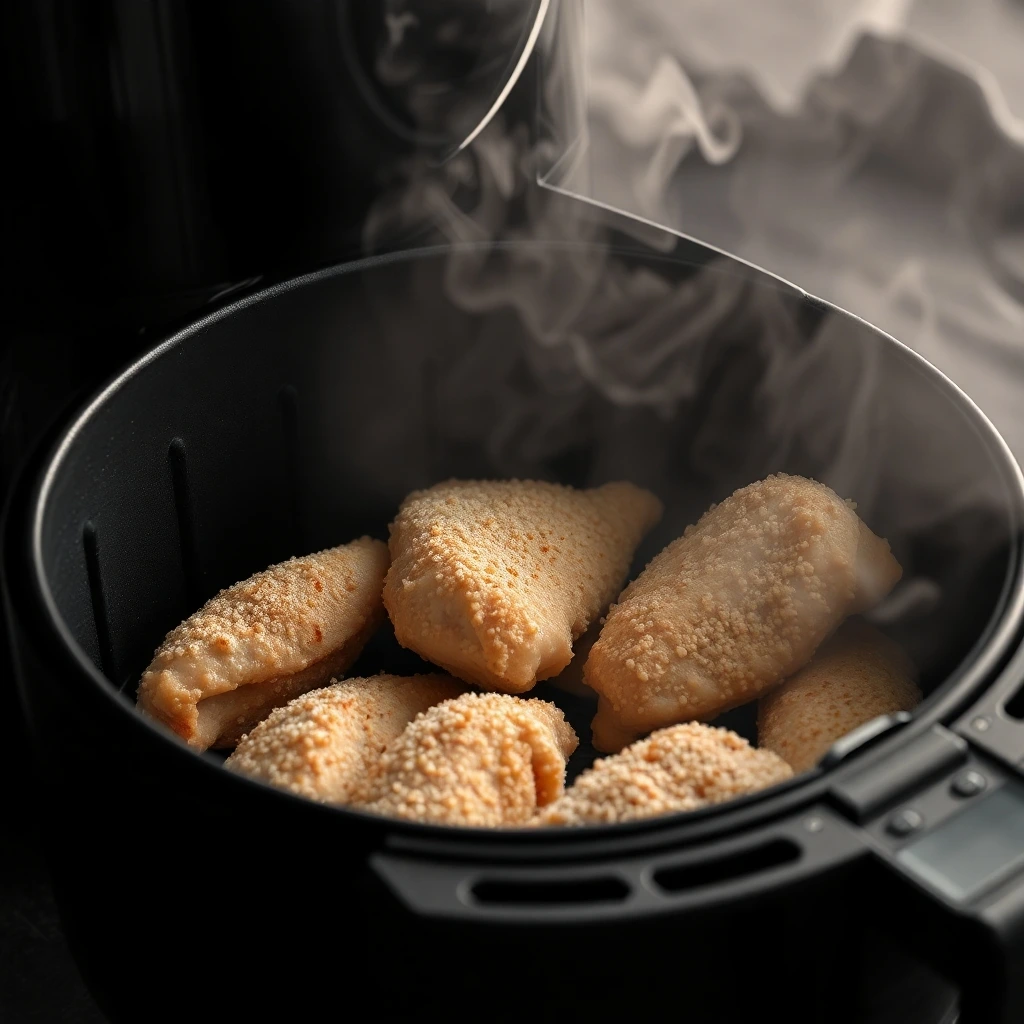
299 419
303 419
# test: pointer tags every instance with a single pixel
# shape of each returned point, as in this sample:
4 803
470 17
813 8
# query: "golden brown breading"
732 607
263 641
494 581
680 768
324 744
856 675
480 760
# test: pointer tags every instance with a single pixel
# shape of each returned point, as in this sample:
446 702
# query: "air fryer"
886 881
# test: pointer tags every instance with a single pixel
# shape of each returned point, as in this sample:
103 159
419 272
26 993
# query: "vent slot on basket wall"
101 617
184 509
288 406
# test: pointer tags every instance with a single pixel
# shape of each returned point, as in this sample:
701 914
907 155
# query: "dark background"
162 157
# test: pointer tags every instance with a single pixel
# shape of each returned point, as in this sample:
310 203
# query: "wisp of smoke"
695 379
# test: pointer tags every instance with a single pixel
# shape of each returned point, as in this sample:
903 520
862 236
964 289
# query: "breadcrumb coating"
494 580
263 641
855 676
732 607
324 744
479 760
681 768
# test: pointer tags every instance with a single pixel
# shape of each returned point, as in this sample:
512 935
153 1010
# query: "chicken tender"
493 581
856 675
681 768
733 607
325 744
259 643
479 760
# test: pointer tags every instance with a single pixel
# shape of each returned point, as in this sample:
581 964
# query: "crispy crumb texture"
681 768
494 581
856 675
263 641
324 744
479 760
732 607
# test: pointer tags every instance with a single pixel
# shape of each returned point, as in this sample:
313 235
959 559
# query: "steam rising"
694 380
879 166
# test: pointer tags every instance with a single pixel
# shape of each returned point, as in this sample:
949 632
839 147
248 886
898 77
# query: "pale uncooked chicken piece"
479 760
681 768
263 641
493 581
733 607
855 676
324 744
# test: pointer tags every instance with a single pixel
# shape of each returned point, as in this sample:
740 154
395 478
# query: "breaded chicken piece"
493 581
324 744
732 607
681 768
855 676
259 643
479 760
